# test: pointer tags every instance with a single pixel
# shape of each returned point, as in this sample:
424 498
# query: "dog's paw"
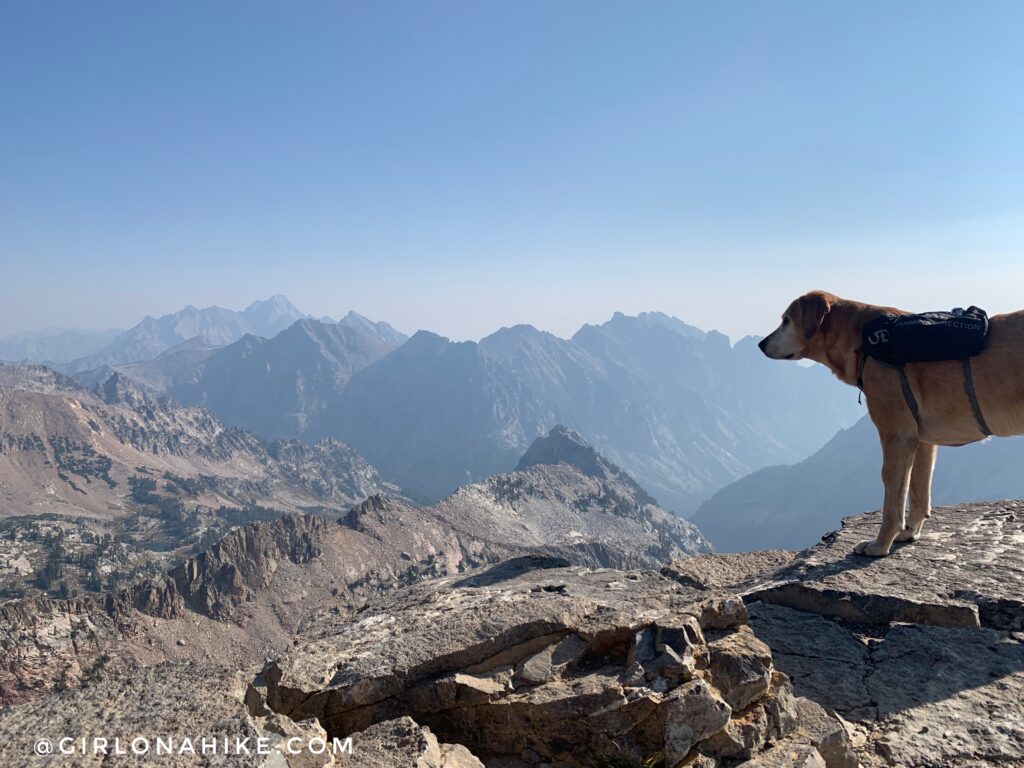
871 548
908 534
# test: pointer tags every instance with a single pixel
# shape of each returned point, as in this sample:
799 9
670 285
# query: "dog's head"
801 323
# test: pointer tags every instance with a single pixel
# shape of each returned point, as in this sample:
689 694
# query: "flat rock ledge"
967 570
921 653
525 664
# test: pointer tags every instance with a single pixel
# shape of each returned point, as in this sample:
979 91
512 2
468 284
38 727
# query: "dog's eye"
785 321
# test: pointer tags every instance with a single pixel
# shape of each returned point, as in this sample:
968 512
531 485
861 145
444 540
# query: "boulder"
525 663
741 667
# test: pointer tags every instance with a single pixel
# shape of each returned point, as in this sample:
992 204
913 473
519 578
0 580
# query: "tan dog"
821 327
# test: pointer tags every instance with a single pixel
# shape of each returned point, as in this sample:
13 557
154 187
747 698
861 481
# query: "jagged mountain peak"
278 301
519 333
522 340
277 387
425 342
33 377
119 389
562 445
307 325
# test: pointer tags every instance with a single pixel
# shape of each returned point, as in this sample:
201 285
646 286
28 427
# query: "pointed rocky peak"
518 331
355 320
118 389
269 316
563 445
305 326
426 342
278 304
376 507
566 446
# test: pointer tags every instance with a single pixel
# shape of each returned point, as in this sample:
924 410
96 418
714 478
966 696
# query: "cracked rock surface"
528 664
967 570
920 651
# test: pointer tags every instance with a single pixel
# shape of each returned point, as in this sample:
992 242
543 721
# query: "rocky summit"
761 660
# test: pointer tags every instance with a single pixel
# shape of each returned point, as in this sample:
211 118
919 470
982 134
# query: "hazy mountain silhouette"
217 325
275 387
681 410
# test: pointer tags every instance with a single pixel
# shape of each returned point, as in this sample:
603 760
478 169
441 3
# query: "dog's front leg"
897 462
920 492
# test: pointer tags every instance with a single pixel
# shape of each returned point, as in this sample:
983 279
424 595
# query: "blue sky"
465 165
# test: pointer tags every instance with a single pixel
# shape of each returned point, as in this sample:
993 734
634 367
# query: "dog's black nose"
761 343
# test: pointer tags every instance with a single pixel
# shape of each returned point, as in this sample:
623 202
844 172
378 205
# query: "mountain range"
684 411
274 387
217 325
786 507
165 479
124 515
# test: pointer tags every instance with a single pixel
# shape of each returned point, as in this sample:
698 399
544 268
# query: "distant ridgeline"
682 410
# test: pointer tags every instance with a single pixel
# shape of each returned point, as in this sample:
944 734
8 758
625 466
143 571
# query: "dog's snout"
762 344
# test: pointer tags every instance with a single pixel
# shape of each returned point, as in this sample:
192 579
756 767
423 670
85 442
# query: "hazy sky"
465 165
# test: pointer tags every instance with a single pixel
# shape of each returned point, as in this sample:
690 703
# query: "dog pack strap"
908 395
972 397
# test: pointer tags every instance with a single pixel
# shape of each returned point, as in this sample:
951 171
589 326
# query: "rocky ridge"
915 660
67 450
250 591
817 658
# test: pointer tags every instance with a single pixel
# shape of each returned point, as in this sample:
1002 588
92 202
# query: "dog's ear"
812 308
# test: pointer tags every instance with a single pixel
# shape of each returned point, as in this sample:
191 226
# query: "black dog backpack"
895 340
926 338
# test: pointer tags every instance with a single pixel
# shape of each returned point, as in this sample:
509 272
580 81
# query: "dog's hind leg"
920 492
897 462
